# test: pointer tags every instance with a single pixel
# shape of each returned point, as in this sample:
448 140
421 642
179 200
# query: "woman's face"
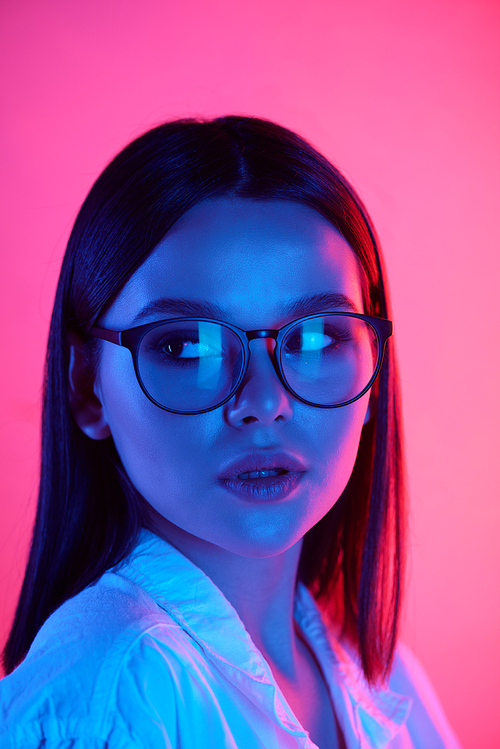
252 259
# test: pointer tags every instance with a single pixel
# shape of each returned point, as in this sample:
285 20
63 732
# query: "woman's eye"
315 341
185 349
197 343
308 342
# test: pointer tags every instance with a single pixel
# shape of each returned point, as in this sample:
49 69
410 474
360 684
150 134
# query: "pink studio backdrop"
404 97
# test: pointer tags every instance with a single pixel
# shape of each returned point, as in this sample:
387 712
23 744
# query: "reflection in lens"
329 360
312 342
210 366
189 365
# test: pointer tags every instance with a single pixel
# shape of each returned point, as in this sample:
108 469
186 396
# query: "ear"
83 398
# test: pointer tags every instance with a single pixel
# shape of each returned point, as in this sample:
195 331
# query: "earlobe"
84 402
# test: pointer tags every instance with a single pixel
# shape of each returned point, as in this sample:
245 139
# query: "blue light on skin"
251 258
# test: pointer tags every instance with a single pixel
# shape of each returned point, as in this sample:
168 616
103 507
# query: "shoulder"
427 724
86 670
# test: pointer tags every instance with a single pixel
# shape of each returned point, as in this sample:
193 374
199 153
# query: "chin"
263 542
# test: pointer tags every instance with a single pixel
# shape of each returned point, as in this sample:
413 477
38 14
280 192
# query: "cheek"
137 426
160 451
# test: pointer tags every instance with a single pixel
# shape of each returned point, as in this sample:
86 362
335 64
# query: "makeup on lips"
263 476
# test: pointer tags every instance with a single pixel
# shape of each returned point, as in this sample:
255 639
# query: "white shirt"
153 656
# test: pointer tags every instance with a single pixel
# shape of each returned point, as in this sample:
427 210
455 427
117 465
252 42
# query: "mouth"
261 476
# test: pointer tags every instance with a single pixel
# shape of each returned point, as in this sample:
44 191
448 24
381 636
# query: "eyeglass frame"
132 337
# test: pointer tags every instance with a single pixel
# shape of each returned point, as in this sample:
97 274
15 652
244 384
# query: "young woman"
218 552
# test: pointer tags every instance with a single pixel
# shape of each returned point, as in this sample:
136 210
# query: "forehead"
250 257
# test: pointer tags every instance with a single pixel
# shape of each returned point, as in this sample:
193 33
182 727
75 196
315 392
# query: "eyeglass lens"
194 365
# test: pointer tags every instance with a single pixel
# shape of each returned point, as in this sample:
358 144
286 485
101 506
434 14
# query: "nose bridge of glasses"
252 334
265 334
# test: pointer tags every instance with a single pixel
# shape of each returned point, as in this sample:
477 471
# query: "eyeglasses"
192 365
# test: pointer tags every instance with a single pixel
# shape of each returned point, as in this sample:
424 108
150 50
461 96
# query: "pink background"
404 96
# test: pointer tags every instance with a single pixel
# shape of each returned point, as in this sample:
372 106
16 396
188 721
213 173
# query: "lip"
263 489
259 461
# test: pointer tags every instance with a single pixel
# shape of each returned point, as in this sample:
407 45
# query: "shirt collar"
368 718
371 717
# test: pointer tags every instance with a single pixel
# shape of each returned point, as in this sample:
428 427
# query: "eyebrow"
307 304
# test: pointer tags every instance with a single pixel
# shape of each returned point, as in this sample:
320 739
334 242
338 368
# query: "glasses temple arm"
113 336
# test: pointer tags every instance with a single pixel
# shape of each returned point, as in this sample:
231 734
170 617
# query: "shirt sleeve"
126 703
147 694
427 726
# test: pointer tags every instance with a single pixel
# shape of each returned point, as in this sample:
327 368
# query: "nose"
261 397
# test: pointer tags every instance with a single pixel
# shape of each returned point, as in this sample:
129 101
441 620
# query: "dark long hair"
89 514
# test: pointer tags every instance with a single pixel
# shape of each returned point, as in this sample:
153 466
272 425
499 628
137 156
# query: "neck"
261 590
